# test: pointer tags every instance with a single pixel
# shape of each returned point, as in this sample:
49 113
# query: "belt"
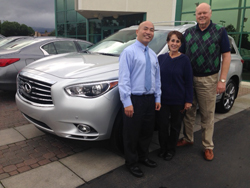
142 95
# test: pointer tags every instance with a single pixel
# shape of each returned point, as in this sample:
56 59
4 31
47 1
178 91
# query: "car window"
83 45
65 46
49 48
231 46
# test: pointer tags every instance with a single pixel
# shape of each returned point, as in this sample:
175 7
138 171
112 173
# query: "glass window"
236 38
83 45
70 4
190 5
81 29
248 3
247 21
71 16
65 46
49 48
79 17
71 29
245 44
227 18
59 5
60 17
82 37
60 30
95 38
219 4
188 17
95 26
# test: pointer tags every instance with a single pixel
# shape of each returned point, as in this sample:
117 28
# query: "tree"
15 29
52 33
23 30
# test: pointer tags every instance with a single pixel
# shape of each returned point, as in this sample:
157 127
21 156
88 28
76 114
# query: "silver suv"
76 95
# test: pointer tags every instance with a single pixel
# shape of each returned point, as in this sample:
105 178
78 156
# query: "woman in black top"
177 94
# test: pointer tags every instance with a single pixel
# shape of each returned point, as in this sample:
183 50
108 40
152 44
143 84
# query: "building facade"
94 20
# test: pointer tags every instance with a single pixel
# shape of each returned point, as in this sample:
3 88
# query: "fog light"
83 128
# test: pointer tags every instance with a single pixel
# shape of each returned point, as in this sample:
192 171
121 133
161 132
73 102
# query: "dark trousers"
169 120
138 130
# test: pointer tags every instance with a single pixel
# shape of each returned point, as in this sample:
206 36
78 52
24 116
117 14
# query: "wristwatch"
222 80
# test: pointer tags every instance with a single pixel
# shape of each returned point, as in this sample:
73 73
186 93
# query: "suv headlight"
89 90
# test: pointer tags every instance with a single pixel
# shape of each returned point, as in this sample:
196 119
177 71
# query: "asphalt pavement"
188 169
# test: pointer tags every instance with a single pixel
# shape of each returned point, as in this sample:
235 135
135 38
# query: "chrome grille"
34 90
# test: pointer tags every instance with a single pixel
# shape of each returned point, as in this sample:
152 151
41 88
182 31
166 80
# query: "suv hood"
75 65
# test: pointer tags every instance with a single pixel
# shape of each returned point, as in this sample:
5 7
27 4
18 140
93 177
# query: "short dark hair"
177 33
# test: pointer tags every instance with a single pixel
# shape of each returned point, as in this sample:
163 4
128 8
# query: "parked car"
16 55
8 40
1 36
76 95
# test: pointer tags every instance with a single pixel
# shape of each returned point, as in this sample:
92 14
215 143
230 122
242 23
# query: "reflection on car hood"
75 65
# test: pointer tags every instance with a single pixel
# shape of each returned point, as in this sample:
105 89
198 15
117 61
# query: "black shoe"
136 171
161 154
168 156
148 162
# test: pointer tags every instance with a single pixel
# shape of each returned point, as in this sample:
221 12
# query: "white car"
76 95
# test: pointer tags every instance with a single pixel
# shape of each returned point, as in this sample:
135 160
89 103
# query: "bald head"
145 32
146 23
203 15
203 6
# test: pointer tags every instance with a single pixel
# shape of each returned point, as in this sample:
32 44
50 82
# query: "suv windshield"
116 43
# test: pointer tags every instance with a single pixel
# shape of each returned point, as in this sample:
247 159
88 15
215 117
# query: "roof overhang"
100 14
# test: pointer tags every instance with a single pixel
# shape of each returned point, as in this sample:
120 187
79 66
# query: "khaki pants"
205 96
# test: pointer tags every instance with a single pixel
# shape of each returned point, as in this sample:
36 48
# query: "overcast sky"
33 13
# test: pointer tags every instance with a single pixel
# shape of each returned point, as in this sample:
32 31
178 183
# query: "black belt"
142 95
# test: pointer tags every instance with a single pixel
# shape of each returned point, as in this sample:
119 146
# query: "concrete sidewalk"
69 164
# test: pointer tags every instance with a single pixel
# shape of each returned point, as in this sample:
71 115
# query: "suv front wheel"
228 97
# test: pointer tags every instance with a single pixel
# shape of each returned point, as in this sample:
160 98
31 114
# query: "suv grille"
34 90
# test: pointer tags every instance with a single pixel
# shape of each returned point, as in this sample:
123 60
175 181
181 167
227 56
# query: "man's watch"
222 80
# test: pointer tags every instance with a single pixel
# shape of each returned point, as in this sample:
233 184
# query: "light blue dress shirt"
132 65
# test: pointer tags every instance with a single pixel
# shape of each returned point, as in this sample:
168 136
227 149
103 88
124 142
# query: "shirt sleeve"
124 83
157 84
225 45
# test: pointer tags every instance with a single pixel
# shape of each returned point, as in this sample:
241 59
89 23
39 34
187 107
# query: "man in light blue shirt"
140 93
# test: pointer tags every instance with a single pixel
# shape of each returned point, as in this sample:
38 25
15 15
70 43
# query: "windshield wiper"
85 51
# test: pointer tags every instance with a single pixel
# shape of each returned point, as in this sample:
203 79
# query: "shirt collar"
198 28
140 45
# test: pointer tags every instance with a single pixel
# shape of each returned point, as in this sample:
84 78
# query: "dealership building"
94 20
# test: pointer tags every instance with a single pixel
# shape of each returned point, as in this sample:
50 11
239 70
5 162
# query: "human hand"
187 105
129 111
157 106
221 87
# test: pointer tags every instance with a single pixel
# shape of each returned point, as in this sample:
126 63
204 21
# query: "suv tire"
228 98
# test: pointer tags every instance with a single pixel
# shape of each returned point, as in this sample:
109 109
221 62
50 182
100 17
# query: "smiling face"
145 32
174 43
203 15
